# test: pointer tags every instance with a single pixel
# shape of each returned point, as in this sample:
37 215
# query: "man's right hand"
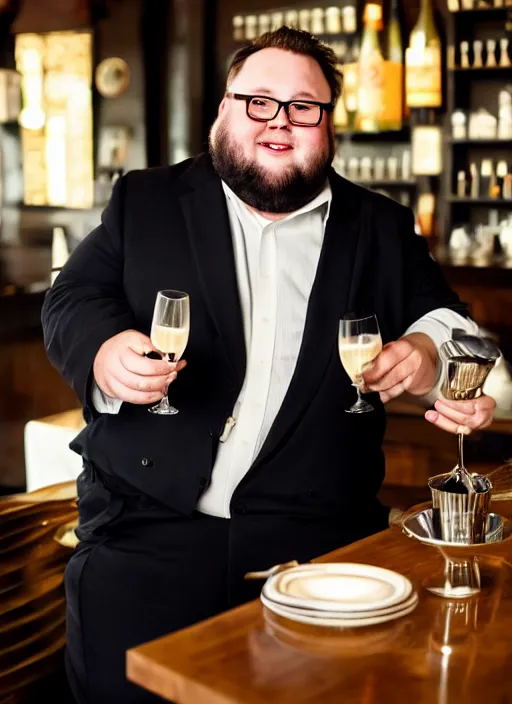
122 370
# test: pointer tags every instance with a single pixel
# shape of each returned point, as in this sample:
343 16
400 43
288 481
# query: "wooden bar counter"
444 652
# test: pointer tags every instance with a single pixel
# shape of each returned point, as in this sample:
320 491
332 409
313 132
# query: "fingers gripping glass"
359 343
303 113
169 334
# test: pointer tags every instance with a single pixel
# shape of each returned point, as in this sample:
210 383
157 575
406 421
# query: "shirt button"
146 462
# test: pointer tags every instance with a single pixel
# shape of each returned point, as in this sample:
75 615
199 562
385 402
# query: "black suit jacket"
168 228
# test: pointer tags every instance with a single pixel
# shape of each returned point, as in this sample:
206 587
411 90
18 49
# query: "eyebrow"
296 96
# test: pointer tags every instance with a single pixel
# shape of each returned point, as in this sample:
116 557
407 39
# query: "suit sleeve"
86 305
426 289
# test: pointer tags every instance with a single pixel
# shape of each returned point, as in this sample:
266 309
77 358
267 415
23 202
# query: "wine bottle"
423 62
371 71
350 65
393 97
340 115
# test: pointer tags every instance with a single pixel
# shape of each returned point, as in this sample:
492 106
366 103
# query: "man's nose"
280 120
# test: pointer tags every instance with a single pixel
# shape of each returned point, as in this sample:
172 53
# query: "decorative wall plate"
112 77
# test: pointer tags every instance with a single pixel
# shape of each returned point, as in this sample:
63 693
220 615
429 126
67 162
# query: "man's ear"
222 106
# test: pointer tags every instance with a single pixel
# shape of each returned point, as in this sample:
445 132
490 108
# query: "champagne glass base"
163 408
360 407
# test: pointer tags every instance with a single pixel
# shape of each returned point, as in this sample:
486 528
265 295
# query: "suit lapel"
209 231
331 296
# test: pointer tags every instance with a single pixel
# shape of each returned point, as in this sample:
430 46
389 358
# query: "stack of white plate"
342 595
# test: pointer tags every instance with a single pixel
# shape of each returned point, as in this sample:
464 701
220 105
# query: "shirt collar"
323 198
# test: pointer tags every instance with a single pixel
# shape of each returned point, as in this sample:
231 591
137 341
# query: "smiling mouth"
276 147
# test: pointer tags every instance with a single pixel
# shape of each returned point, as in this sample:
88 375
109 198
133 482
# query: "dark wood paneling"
30 388
52 15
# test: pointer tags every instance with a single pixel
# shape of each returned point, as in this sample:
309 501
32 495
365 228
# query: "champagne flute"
359 343
169 334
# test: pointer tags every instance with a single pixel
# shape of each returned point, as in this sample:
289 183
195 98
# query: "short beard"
293 189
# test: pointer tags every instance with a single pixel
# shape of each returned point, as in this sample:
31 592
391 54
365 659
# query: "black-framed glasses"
303 113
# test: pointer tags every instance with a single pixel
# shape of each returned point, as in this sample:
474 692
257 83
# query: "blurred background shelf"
492 202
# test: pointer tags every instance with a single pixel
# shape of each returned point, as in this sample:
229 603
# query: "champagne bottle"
393 97
371 71
350 65
340 115
423 62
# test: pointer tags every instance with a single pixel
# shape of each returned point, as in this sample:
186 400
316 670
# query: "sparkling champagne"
356 354
171 341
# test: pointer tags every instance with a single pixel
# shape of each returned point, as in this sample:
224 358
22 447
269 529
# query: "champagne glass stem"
460 445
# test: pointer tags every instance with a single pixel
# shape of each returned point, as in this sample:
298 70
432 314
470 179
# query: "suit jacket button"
203 481
146 462
241 508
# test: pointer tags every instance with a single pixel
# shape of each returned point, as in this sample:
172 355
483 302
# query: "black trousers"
157 573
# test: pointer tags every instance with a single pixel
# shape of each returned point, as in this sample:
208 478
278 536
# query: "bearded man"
262 464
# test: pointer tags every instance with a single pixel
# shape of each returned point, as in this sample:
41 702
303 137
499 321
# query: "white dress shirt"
275 277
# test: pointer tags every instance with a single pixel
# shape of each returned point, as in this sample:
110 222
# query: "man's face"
274 166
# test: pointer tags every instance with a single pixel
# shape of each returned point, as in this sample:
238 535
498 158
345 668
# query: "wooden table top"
444 652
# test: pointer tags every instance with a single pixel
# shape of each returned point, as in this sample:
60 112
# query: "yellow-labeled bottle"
370 92
350 65
423 88
392 112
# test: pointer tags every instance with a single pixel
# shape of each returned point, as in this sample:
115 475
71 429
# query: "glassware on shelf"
460 243
504 55
333 20
263 23
464 55
277 20
251 27
459 125
478 49
317 20
353 169
366 169
305 20
380 169
482 125
491 53
505 114
291 19
238 28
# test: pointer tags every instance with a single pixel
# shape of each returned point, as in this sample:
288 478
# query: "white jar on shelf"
317 20
291 19
459 125
263 23
238 28
277 21
505 115
305 20
482 125
251 27
333 20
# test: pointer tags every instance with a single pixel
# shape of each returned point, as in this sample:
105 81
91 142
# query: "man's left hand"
409 364
462 416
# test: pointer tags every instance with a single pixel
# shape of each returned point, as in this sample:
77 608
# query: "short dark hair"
297 41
